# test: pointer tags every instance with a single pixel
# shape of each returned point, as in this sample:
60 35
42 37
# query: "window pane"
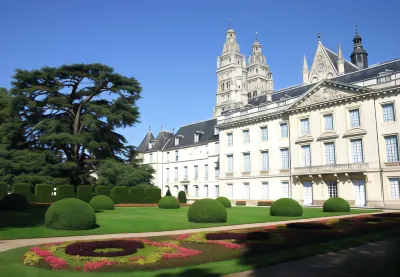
285 186
246 191
265 193
392 154
264 160
332 189
216 191
305 155
205 190
264 134
196 171
284 130
230 191
304 125
230 139
230 163
206 171
328 122
388 112
246 137
285 158
246 162
330 153
354 118
394 188
357 153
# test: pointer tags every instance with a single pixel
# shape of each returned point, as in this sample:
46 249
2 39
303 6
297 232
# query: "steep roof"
162 139
188 132
348 66
144 145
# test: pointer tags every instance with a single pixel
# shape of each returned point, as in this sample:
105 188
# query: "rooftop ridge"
196 122
353 65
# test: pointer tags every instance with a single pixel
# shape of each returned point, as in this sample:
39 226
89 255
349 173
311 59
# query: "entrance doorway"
307 188
359 192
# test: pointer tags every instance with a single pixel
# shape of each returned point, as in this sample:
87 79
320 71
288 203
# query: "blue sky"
171 46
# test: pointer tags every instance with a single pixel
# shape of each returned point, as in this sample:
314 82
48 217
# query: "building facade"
337 134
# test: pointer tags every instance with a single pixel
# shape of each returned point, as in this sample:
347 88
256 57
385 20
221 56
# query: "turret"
359 56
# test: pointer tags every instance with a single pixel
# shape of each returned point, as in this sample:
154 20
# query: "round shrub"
102 202
286 207
336 204
207 211
14 202
224 201
70 214
182 197
168 202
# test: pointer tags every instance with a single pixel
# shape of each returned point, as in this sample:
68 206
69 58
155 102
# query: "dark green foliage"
137 195
168 202
182 197
286 207
103 190
336 204
3 189
207 211
102 202
65 191
14 202
70 214
23 189
153 195
224 201
168 193
120 195
85 192
43 193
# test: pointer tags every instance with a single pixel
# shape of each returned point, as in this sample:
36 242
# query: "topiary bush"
153 195
85 193
182 197
14 202
336 204
3 189
286 207
70 214
137 195
23 189
168 193
65 191
207 211
102 202
120 194
168 202
43 193
103 190
224 201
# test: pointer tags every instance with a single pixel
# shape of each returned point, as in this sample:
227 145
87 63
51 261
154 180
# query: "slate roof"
348 66
144 145
188 132
162 139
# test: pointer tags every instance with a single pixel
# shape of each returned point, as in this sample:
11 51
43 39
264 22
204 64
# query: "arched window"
205 190
166 188
196 191
249 95
255 94
176 190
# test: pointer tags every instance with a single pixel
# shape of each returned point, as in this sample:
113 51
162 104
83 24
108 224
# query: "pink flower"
181 237
90 266
55 262
41 253
137 258
226 244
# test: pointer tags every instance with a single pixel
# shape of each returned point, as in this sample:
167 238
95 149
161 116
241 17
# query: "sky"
171 47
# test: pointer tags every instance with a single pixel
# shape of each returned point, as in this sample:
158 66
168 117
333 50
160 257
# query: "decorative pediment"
328 135
306 138
355 132
322 66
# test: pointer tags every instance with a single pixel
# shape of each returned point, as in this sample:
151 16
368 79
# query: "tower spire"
319 36
340 54
340 61
305 70
305 66
230 23
256 36
359 56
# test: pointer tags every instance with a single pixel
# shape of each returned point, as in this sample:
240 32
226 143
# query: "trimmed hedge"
207 211
70 214
85 193
168 193
224 201
3 189
14 202
102 202
336 204
103 190
43 193
286 207
182 197
23 189
168 202
153 195
265 203
120 194
241 203
65 191
137 195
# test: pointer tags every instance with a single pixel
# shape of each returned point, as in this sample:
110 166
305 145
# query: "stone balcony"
332 168
185 180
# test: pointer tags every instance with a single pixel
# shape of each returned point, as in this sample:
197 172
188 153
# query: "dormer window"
385 76
176 141
216 131
151 144
198 135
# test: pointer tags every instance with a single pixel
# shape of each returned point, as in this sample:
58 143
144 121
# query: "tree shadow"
192 272
32 217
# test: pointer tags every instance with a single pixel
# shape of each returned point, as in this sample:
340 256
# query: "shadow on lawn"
193 272
29 218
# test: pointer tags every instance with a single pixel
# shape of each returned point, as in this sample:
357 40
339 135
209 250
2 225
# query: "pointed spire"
230 23
305 66
340 54
256 36
319 36
356 30
161 128
149 128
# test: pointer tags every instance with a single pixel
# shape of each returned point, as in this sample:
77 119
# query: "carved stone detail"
325 94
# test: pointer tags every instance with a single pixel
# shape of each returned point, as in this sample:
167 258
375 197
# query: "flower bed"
143 205
89 248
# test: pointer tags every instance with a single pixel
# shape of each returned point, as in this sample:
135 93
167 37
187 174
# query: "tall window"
265 190
304 126
285 187
264 133
176 174
388 112
176 156
305 155
394 188
176 141
285 158
206 172
196 191
246 157
196 137
356 151
151 157
246 191
185 172
230 139
230 163
167 175
332 188
167 157
216 190
205 190
354 118
284 130
230 190
246 136
330 153
216 147
328 122
196 171
392 153
264 160
217 172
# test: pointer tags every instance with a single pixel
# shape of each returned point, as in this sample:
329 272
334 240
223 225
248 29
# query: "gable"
322 67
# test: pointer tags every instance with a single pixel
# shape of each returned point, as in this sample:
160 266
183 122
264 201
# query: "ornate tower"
231 73
359 56
259 77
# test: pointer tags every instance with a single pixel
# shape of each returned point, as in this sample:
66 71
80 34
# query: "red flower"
56 263
90 266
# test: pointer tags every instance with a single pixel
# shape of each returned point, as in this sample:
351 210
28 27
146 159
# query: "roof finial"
256 36
340 54
149 128
173 130
305 66
356 30
161 127
230 23
319 36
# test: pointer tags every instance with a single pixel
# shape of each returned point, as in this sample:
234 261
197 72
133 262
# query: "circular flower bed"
250 236
89 248
308 225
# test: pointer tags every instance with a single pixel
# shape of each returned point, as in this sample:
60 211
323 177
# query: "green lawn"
29 224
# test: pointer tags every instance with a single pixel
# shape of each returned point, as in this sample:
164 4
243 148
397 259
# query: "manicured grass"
29 224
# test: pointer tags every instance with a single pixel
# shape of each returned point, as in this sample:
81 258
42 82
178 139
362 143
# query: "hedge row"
23 189
3 189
